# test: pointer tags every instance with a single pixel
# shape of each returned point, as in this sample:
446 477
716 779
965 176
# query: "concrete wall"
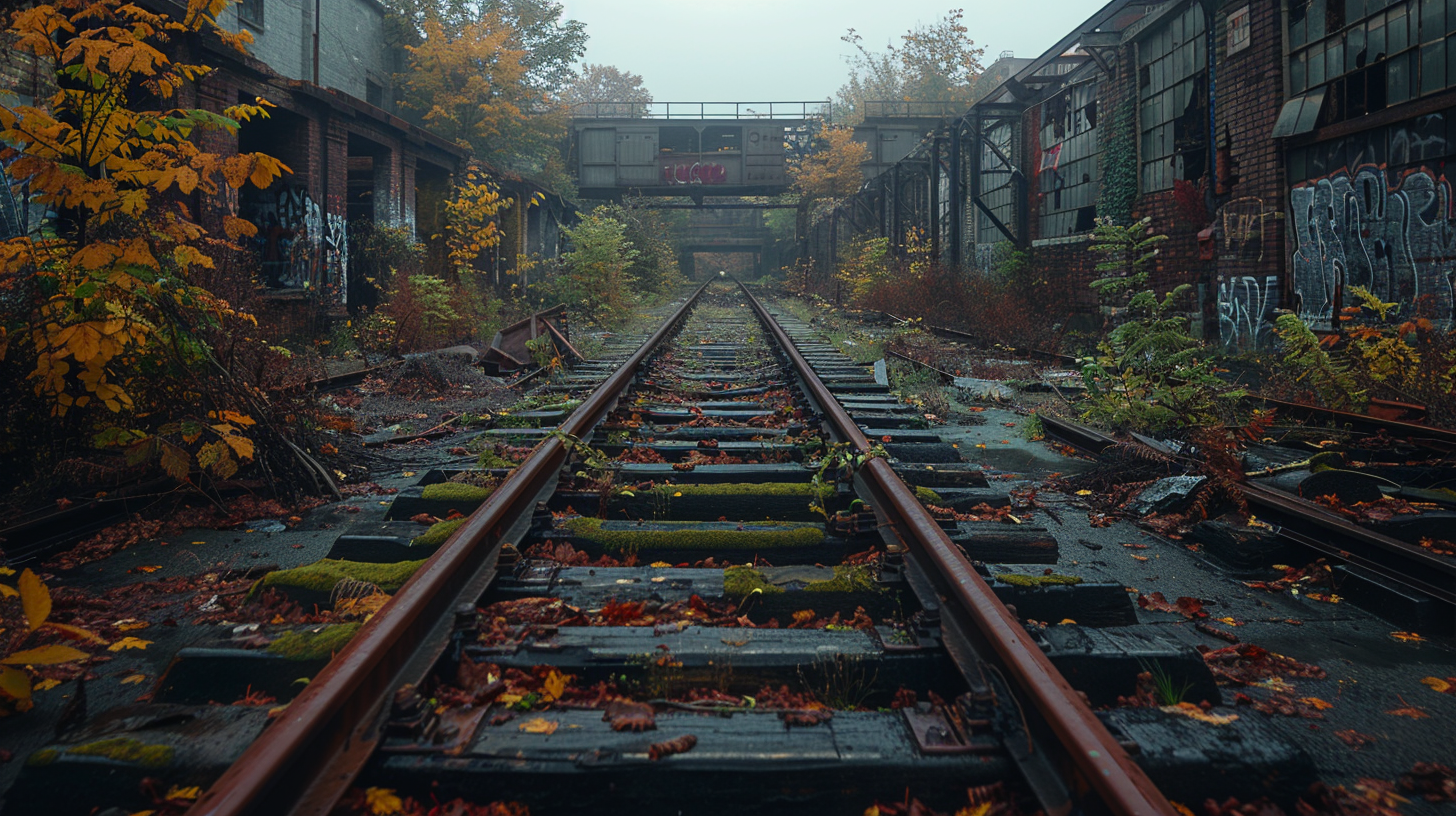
353 47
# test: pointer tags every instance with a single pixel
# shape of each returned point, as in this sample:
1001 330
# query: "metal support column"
957 199
934 199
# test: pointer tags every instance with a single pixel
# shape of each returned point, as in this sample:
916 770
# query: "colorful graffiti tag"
1357 229
302 247
695 173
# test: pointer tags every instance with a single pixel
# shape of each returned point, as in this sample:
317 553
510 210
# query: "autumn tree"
933 63
100 311
606 83
831 170
472 87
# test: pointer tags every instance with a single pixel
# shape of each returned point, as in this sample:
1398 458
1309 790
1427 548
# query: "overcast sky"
789 50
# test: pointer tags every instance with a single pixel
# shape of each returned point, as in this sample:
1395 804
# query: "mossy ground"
436 535
763 535
739 582
302 644
928 496
120 749
456 492
323 576
1016 579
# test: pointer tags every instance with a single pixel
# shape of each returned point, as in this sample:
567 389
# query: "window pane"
1355 55
1317 19
1297 79
1433 20
1354 10
1397 79
1450 61
1397 32
1334 58
1375 40
1450 16
1316 65
1297 33
1433 67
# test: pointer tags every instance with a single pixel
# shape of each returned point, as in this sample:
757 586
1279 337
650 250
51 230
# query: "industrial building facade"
1290 149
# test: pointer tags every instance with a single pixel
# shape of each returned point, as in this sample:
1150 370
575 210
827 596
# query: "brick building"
328 66
1290 149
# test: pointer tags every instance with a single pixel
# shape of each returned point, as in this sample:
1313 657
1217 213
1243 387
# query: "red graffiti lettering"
695 173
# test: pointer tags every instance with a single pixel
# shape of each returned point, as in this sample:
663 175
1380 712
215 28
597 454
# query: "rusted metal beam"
1100 762
306 760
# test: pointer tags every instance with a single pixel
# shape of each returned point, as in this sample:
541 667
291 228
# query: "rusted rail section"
1072 731
306 760
1322 531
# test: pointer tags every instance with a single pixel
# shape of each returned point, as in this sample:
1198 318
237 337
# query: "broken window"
251 12
1371 53
1069 171
1173 93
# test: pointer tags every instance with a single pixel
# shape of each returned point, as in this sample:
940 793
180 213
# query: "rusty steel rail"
306 759
1329 534
1100 762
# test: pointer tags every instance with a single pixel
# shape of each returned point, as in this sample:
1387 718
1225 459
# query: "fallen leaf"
554 686
175 792
1193 712
539 725
1354 738
35 599
134 678
149 569
382 801
46 684
1407 637
1409 711
130 625
44 656
1441 685
1316 703
128 643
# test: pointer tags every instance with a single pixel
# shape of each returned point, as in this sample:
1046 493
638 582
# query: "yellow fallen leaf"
382 801
133 678
1084 492
1065 621
147 569
659 564
1230 621
175 792
554 686
407 473
130 625
510 698
199 542
1407 637
1316 703
540 725
44 656
677 494
1193 712
128 643
46 684
1436 684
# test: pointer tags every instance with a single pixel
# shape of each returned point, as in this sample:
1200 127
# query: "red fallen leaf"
802 619
455 514
904 698
1354 738
697 604
625 715
805 718
1409 711
681 745
1187 607
424 518
458 451
1214 631
63 503
1432 781
1247 663
621 613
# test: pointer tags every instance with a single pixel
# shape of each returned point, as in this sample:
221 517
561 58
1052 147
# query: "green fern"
1305 359
1126 253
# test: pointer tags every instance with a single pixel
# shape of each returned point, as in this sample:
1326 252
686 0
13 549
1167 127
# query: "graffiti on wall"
302 247
1246 307
695 173
1241 228
1357 229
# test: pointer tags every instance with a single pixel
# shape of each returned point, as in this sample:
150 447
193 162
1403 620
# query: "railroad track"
1398 579
752 609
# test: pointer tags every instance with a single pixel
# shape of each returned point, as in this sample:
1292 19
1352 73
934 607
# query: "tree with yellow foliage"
832 169
99 311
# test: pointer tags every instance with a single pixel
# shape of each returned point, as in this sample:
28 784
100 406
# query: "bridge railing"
819 109
907 109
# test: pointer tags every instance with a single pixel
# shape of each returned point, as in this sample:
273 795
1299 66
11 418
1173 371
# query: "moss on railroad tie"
928 496
438 532
1055 579
456 492
316 581
305 644
741 581
632 537
119 749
